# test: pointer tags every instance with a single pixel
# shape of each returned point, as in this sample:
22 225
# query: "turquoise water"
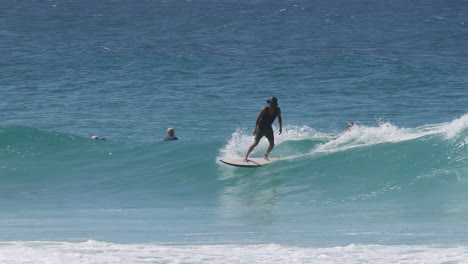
394 188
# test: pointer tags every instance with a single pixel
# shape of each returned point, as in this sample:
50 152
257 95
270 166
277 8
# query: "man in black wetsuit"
170 135
265 119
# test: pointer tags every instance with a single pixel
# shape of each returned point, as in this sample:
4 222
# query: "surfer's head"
349 125
273 101
98 138
170 132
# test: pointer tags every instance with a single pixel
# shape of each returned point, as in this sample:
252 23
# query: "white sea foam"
241 139
358 136
93 252
454 128
362 136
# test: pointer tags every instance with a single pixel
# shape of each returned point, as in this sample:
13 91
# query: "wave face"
369 177
392 172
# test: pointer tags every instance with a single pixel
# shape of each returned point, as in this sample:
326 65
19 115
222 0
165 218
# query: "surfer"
349 126
265 119
170 135
98 138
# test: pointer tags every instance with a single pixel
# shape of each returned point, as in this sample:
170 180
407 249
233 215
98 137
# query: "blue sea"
393 189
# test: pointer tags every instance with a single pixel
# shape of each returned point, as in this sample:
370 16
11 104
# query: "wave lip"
359 136
365 136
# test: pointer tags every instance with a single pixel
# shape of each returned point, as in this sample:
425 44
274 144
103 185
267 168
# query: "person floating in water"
170 135
349 126
98 138
263 128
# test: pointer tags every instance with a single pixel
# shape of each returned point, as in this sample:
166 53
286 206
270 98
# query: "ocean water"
394 189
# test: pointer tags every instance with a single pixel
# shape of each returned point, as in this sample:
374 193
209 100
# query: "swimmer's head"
170 131
349 126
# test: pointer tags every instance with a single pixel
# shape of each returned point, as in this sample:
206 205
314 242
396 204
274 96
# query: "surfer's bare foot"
246 159
266 156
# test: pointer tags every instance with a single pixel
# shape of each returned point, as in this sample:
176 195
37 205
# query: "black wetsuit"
264 127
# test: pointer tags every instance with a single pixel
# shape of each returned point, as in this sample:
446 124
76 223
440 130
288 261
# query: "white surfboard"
252 162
